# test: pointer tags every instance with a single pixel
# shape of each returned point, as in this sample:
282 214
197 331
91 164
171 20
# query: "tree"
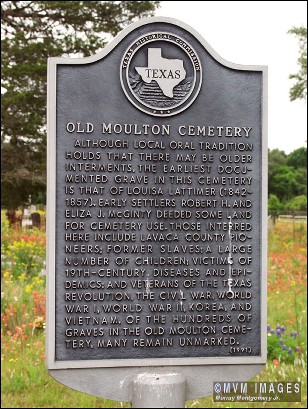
298 158
274 204
299 89
297 203
287 183
287 174
276 158
32 31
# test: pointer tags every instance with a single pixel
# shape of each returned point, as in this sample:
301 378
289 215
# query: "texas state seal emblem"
161 74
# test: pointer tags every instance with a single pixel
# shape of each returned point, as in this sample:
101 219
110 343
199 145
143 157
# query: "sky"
256 33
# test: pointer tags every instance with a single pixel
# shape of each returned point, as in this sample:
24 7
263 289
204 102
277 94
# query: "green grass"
27 384
271 373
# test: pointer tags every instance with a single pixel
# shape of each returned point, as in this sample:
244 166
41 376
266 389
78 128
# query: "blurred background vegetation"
32 31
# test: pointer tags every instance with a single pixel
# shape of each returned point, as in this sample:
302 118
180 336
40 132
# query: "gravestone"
11 216
36 220
157 217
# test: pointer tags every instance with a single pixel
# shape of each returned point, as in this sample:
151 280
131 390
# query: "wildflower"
268 328
281 341
290 350
38 322
276 362
294 334
298 349
272 331
278 332
282 329
29 288
284 347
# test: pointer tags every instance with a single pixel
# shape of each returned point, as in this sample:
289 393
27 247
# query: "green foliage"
276 158
4 224
23 252
298 158
32 31
274 204
286 183
27 256
22 173
299 89
297 203
287 177
281 345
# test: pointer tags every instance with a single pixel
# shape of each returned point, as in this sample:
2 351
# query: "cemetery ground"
24 379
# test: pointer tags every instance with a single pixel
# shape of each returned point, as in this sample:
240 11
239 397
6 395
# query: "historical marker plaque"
157 204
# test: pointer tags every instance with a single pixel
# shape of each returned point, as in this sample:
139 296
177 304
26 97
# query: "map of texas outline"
168 73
